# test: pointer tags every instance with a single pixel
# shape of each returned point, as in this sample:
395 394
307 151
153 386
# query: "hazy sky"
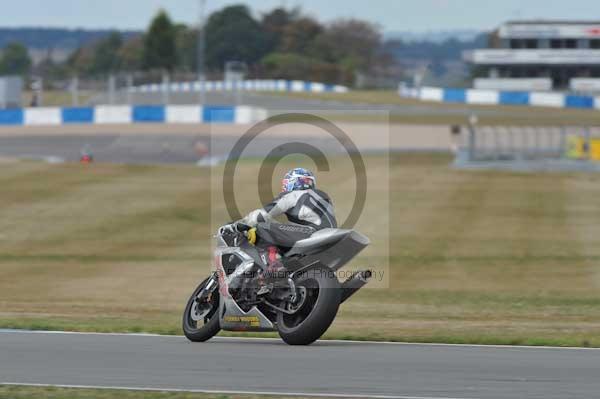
392 15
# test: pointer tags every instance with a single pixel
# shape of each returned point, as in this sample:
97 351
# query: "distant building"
540 55
11 91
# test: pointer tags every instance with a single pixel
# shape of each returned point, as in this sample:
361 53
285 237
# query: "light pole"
201 51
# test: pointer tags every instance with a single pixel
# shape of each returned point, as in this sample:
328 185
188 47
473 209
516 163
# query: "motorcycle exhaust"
355 283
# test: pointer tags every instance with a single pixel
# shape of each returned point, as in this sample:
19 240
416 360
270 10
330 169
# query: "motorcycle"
300 304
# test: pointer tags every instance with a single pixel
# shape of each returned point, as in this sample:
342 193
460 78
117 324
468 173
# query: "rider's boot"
274 272
275 269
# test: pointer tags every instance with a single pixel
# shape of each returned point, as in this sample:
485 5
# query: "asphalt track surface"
328 368
139 148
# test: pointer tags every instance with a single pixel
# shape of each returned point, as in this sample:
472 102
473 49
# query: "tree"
352 42
50 70
15 60
299 35
159 44
106 55
232 34
274 23
82 60
100 58
295 66
131 54
186 44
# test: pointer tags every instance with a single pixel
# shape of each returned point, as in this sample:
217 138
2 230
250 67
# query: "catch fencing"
523 146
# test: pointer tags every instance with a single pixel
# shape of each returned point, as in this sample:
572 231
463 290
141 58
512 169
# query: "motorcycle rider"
302 203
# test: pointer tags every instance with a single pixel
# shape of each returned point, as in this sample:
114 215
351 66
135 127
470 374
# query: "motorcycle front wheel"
315 310
201 316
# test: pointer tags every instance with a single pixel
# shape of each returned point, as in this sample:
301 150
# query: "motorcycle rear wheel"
318 310
209 326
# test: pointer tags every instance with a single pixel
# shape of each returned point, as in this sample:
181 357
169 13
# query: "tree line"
282 43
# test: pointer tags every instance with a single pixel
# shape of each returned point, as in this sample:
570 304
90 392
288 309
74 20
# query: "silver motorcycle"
300 302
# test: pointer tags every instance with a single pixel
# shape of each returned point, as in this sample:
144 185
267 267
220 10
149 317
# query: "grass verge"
433 113
475 257
58 98
24 392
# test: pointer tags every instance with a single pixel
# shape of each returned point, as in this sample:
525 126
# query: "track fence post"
130 89
112 88
166 88
472 142
75 91
497 144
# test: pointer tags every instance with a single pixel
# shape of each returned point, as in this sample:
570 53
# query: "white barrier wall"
554 100
246 115
493 97
519 84
489 97
244 85
183 113
297 86
106 114
109 114
243 115
42 116
585 85
318 87
431 94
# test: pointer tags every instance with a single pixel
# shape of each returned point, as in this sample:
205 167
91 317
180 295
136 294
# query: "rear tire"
317 313
195 331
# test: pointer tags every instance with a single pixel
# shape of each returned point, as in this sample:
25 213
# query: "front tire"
209 325
318 309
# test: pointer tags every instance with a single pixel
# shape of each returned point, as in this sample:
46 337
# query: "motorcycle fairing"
231 316
333 248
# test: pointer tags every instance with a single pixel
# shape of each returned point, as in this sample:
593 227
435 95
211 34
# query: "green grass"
58 98
446 113
22 392
474 257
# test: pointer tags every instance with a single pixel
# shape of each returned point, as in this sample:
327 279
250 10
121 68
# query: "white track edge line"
149 335
224 392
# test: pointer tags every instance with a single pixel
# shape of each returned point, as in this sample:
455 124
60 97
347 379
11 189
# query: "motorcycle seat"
282 235
324 239
293 239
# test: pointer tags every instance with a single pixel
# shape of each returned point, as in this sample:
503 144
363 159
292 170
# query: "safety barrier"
493 97
125 114
298 86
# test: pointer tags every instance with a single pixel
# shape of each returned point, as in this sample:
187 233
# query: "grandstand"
540 55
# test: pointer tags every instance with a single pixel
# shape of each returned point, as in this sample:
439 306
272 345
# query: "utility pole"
201 52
